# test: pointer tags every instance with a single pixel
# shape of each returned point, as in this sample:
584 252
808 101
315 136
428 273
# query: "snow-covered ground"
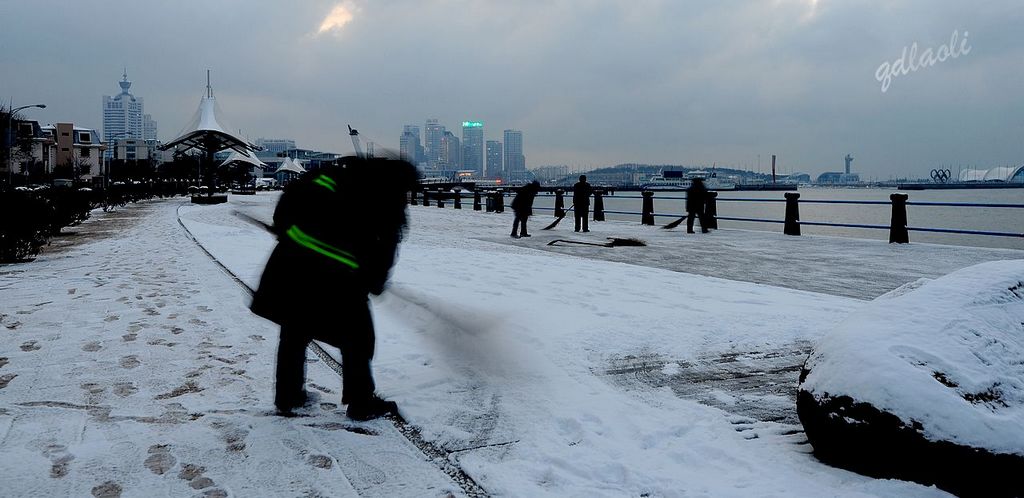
945 357
130 365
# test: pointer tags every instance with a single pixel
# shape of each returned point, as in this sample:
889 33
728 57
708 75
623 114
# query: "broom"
613 242
552 225
676 223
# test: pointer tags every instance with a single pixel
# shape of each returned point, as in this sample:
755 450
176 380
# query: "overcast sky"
590 83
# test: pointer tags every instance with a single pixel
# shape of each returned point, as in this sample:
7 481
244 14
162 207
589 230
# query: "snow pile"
949 356
945 358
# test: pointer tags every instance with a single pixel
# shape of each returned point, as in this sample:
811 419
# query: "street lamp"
13 136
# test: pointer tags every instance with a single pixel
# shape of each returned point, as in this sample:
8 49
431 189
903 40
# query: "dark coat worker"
522 206
696 205
581 193
332 251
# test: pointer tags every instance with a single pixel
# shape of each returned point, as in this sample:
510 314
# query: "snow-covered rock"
927 384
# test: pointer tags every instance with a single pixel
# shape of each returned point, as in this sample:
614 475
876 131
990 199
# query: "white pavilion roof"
247 157
206 131
291 165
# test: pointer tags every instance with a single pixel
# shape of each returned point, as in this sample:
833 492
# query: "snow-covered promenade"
131 366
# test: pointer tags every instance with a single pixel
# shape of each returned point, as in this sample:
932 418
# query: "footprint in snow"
160 459
60 460
92 346
6 379
130 361
30 346
125 389
109 489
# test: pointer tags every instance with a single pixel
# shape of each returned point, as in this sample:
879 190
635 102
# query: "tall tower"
415 146
515 161
123 116
473 146
409 145
451 151
494 159
848 159
432 133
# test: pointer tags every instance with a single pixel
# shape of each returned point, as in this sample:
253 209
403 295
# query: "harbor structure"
840 178
274 146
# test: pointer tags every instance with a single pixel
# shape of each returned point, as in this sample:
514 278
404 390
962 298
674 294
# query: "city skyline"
595 84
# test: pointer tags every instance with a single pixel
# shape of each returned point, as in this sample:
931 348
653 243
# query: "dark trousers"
356 342
704 221
520 219
581 214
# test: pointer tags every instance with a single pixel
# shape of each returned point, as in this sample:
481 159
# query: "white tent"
972 175
290 165
248 157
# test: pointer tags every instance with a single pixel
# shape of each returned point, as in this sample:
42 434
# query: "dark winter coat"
696 197
332 247
522 203
581 193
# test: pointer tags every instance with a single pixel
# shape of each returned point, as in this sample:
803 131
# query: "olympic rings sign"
941 175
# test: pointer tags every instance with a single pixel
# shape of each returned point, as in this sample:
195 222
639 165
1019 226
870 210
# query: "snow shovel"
613 242
552 225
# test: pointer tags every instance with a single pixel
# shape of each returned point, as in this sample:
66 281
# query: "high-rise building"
123 116
432 134
148 128
494 159
409 144
451 151
515 161
473 147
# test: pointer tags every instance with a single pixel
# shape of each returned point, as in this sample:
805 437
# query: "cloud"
337 18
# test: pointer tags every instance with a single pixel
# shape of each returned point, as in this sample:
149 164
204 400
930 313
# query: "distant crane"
354 135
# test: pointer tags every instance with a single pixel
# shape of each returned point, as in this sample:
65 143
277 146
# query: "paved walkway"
858 268
131 365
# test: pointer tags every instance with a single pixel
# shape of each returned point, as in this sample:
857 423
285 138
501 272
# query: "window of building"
85 152
85 137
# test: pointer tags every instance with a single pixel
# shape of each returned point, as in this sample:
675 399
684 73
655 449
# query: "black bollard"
499 202
792 225
598 206
412 198
898 224
711 210
458 200
440 199
476 200
647 216
559 203
426 198
490 202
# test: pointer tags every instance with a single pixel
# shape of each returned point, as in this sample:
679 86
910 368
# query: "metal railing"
898 226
